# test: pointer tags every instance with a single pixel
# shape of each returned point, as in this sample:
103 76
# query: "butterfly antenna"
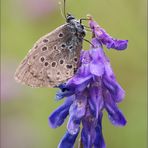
61 10
65 8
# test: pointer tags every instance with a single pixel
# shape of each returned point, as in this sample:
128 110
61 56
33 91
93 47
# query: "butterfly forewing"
52 60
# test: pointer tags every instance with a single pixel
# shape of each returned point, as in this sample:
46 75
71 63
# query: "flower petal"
82 75
111 84
73 125
86 138
77 80
99 140
117 44
63 92
96 100
57 118
96 68
108 69
78 83
68 140
88 131
77 111
115 115
106 39
97 55
115 89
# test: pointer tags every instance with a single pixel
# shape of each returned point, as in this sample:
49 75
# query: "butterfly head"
80 31
69 17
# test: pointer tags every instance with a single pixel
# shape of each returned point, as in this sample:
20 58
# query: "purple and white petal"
76 112
88 133
57 118
118 44
115 89
106 39
115 115
68 140
99 140
96 100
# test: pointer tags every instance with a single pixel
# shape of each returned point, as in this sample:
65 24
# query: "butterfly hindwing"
53 59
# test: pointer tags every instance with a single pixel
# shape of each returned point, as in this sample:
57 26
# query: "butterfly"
54 58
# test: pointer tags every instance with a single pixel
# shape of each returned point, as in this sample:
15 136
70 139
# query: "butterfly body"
54 57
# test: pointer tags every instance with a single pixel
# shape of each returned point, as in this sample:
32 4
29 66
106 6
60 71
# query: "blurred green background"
25 111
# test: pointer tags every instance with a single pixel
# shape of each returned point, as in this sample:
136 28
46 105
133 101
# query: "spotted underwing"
54 58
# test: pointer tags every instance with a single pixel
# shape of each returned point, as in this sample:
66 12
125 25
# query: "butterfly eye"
83 33
61 35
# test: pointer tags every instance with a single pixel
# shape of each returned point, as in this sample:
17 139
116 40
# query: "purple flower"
91 90
106 39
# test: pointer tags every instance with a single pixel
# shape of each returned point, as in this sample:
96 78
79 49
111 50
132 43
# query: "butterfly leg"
89 42
84 19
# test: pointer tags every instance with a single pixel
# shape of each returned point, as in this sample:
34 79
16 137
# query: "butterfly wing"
53 59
